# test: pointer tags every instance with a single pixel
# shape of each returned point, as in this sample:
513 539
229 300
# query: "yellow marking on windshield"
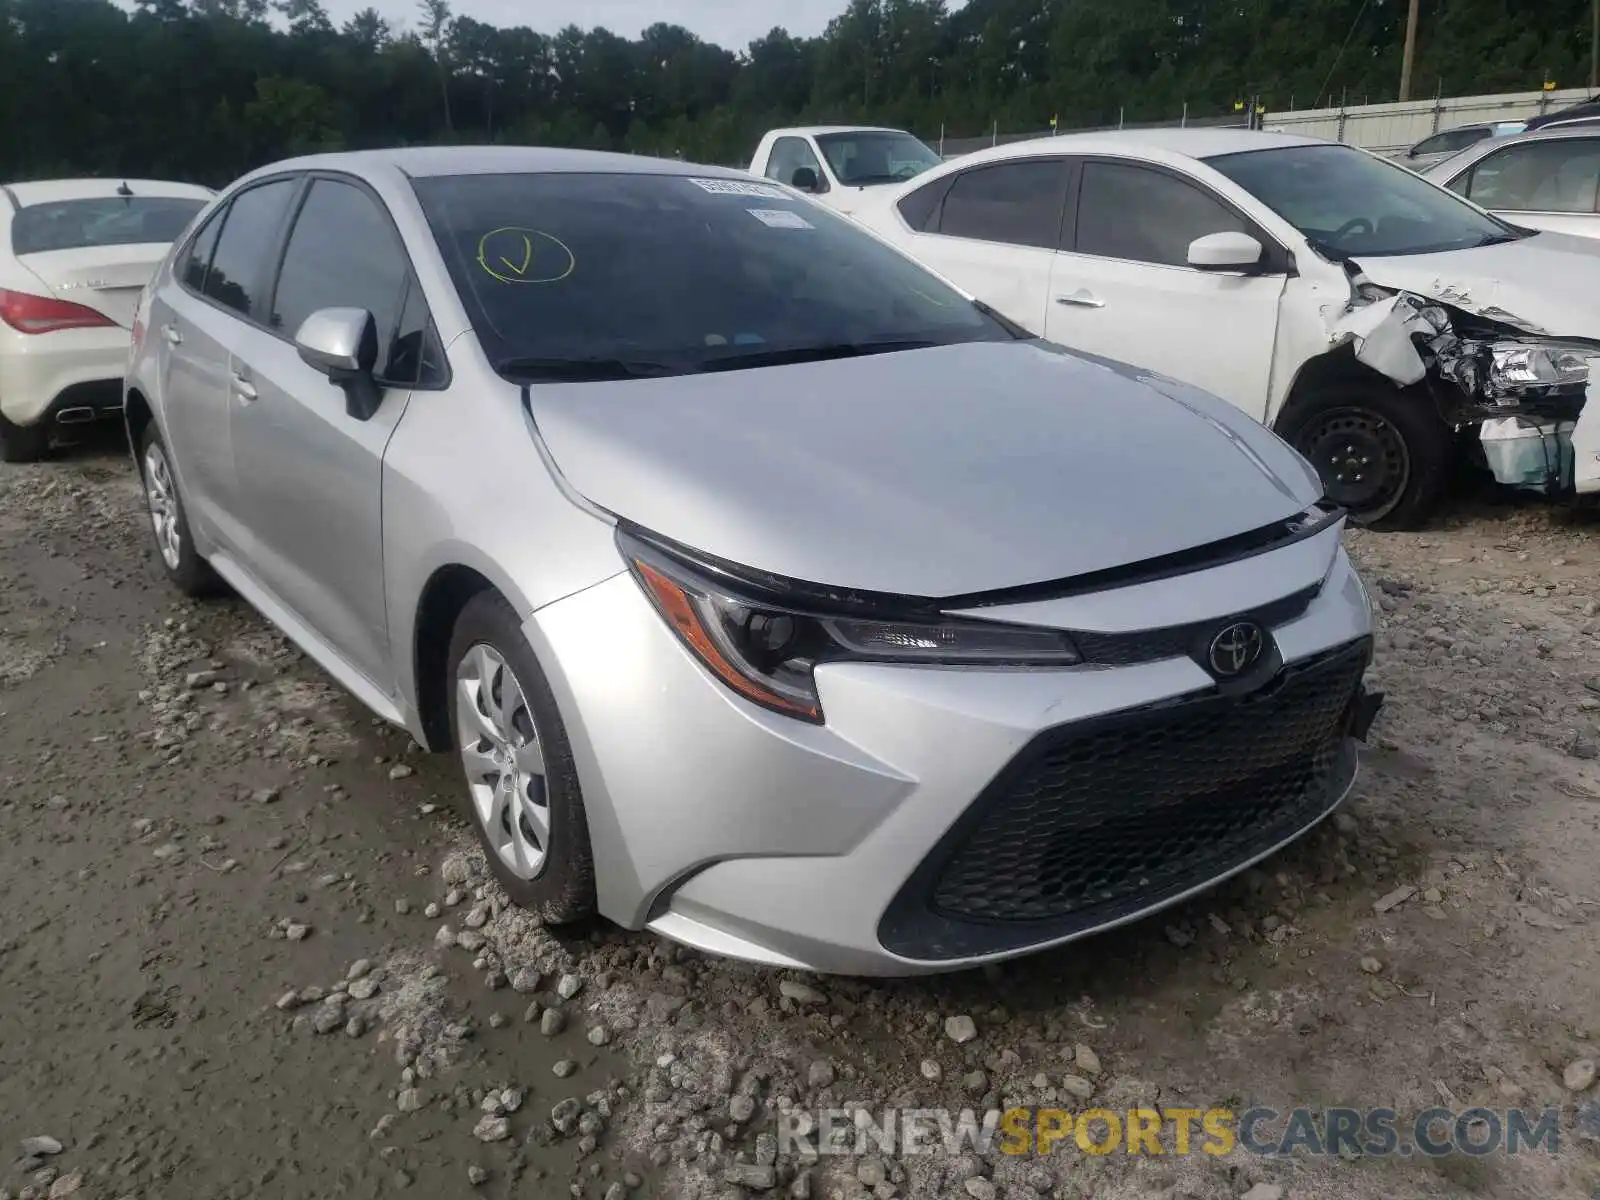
521 268
514 254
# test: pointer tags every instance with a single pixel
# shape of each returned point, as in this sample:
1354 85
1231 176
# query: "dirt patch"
244 955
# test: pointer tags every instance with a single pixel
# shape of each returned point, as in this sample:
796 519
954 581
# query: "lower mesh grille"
1103 818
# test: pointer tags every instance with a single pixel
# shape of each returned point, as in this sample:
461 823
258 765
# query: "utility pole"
1410 51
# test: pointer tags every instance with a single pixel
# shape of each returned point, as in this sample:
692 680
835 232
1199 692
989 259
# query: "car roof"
1182 143
813 130
1582 108
1583 120
48 191
1546 134
422 162
1479 150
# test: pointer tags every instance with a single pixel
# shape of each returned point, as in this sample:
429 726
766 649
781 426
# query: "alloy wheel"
504 760
163 499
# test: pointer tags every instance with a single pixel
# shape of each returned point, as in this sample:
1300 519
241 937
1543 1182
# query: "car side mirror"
804 179
342 343
1225 252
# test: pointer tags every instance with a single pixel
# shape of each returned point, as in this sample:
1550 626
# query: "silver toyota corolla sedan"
773 594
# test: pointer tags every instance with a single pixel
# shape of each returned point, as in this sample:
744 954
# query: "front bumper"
748 834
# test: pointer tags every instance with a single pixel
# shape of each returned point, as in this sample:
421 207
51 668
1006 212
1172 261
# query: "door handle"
170 332
1082 298
243 387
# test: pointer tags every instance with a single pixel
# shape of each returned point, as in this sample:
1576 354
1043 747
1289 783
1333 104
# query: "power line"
1340 56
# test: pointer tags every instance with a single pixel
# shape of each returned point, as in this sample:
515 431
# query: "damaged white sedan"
1381 324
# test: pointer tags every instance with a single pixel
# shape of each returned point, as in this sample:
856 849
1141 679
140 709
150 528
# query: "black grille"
1101 819
1174 641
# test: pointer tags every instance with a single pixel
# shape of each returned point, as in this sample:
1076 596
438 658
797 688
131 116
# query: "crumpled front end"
1524 388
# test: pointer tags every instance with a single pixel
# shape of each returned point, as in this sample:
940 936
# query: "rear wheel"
169 523
521 788
1382 455
23 443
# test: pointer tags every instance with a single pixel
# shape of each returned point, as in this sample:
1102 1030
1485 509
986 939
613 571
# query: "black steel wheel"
1383 454
1362 458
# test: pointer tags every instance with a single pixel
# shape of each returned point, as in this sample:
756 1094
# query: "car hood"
937 472
1546 281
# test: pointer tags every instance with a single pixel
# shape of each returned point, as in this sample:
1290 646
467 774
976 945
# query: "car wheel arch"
1323 372
1336 380
137 414
449 587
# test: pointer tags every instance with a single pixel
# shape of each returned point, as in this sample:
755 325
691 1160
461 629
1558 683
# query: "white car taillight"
27 313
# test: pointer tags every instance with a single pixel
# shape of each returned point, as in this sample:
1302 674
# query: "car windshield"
107 221
579 276
865 157
1348 203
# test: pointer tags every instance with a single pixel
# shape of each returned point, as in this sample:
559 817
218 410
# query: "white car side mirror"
1225 251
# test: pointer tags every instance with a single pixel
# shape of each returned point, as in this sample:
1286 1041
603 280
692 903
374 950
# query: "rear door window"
241 265
921 207
197 258
1556 176
1017 202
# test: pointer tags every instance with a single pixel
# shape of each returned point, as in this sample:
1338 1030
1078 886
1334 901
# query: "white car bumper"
38 372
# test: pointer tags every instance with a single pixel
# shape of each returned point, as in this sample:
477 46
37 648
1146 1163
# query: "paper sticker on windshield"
736 187
780 218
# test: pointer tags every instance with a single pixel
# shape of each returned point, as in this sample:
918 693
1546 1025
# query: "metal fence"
1385 127
1380 127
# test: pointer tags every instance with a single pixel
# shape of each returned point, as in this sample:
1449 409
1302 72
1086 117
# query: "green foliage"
205 89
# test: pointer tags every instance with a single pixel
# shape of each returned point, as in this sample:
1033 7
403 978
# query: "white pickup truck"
838 163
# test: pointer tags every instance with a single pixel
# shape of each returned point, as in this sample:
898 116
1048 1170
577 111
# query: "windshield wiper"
804 354
583 370
864 180
1327 250
1016 331
1498 239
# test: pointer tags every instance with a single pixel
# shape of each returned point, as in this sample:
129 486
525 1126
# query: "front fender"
464 485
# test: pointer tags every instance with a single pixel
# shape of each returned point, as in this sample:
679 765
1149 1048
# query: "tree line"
206 89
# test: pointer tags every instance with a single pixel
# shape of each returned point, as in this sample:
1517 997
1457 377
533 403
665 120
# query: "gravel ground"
246 948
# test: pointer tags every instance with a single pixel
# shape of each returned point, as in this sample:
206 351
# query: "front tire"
23 443
521 789
174 546
1382 455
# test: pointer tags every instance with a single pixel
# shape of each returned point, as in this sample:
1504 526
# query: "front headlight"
1518 369
766 651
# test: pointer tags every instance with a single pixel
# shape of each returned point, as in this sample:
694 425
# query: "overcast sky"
729 23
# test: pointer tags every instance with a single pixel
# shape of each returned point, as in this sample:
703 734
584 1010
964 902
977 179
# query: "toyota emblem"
1236 649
